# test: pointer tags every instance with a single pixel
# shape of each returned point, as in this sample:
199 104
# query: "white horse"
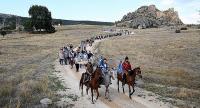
107 82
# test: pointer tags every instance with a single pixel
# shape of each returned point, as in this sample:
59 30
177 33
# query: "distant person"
77 60
85 56
61 56
81 57
90 55
78 50
71 47
66 55
71 57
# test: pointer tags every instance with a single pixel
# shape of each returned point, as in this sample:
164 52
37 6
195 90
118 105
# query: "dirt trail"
140 99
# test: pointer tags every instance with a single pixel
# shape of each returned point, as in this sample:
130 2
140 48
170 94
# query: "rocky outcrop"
150 16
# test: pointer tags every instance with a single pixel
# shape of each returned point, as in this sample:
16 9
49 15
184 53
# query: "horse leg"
82 89
105 91
133 89
129 91
97 93
92 95
109 99
87 90
123 88
118 84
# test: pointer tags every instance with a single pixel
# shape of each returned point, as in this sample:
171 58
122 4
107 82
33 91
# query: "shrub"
177 31
3 33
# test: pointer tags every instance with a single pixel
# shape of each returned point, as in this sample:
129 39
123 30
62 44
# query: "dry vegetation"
26 64
170 62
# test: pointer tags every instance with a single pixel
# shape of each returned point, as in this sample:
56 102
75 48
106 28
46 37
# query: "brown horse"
130 79
94 82
85 77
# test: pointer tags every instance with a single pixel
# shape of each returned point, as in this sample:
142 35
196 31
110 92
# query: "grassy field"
170 62
26 64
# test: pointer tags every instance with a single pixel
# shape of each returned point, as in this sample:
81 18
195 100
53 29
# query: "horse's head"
89 67
138 72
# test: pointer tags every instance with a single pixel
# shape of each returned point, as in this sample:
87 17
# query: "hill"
150 16
10 21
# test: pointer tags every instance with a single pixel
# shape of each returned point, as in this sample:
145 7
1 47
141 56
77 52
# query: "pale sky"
101 10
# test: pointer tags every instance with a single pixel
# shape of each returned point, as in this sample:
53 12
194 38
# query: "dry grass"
166 58
26 64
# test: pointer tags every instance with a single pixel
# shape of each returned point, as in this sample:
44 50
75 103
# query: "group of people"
81 56
107 36
68 56
123 68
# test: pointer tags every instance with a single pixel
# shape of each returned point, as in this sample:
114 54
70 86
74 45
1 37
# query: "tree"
3 33
27 25
41 18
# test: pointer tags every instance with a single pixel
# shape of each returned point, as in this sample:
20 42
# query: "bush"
177 31
51 30
3 33
184 28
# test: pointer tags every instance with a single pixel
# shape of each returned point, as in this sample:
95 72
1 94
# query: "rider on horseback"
126 66
100 63
104 68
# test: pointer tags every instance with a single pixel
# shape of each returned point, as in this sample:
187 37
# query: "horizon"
103 11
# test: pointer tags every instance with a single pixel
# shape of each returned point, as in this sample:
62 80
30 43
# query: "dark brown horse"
94 82
130 79
85 77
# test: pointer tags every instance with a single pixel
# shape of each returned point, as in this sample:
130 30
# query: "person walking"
61 56
77 60
66 55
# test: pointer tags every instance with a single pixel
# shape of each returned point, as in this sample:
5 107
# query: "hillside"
150 16
10 20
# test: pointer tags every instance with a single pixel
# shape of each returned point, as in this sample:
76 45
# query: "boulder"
46 101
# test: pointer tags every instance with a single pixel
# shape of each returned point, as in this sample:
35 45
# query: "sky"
101 10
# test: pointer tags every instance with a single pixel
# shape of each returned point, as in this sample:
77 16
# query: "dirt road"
140 99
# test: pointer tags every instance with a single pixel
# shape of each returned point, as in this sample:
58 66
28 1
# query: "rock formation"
149 17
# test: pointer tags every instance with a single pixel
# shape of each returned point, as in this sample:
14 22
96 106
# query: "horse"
130 79
94 82
106 82
85 77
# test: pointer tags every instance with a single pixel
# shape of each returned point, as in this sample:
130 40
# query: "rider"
100 63
120 68
126 66
104 68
